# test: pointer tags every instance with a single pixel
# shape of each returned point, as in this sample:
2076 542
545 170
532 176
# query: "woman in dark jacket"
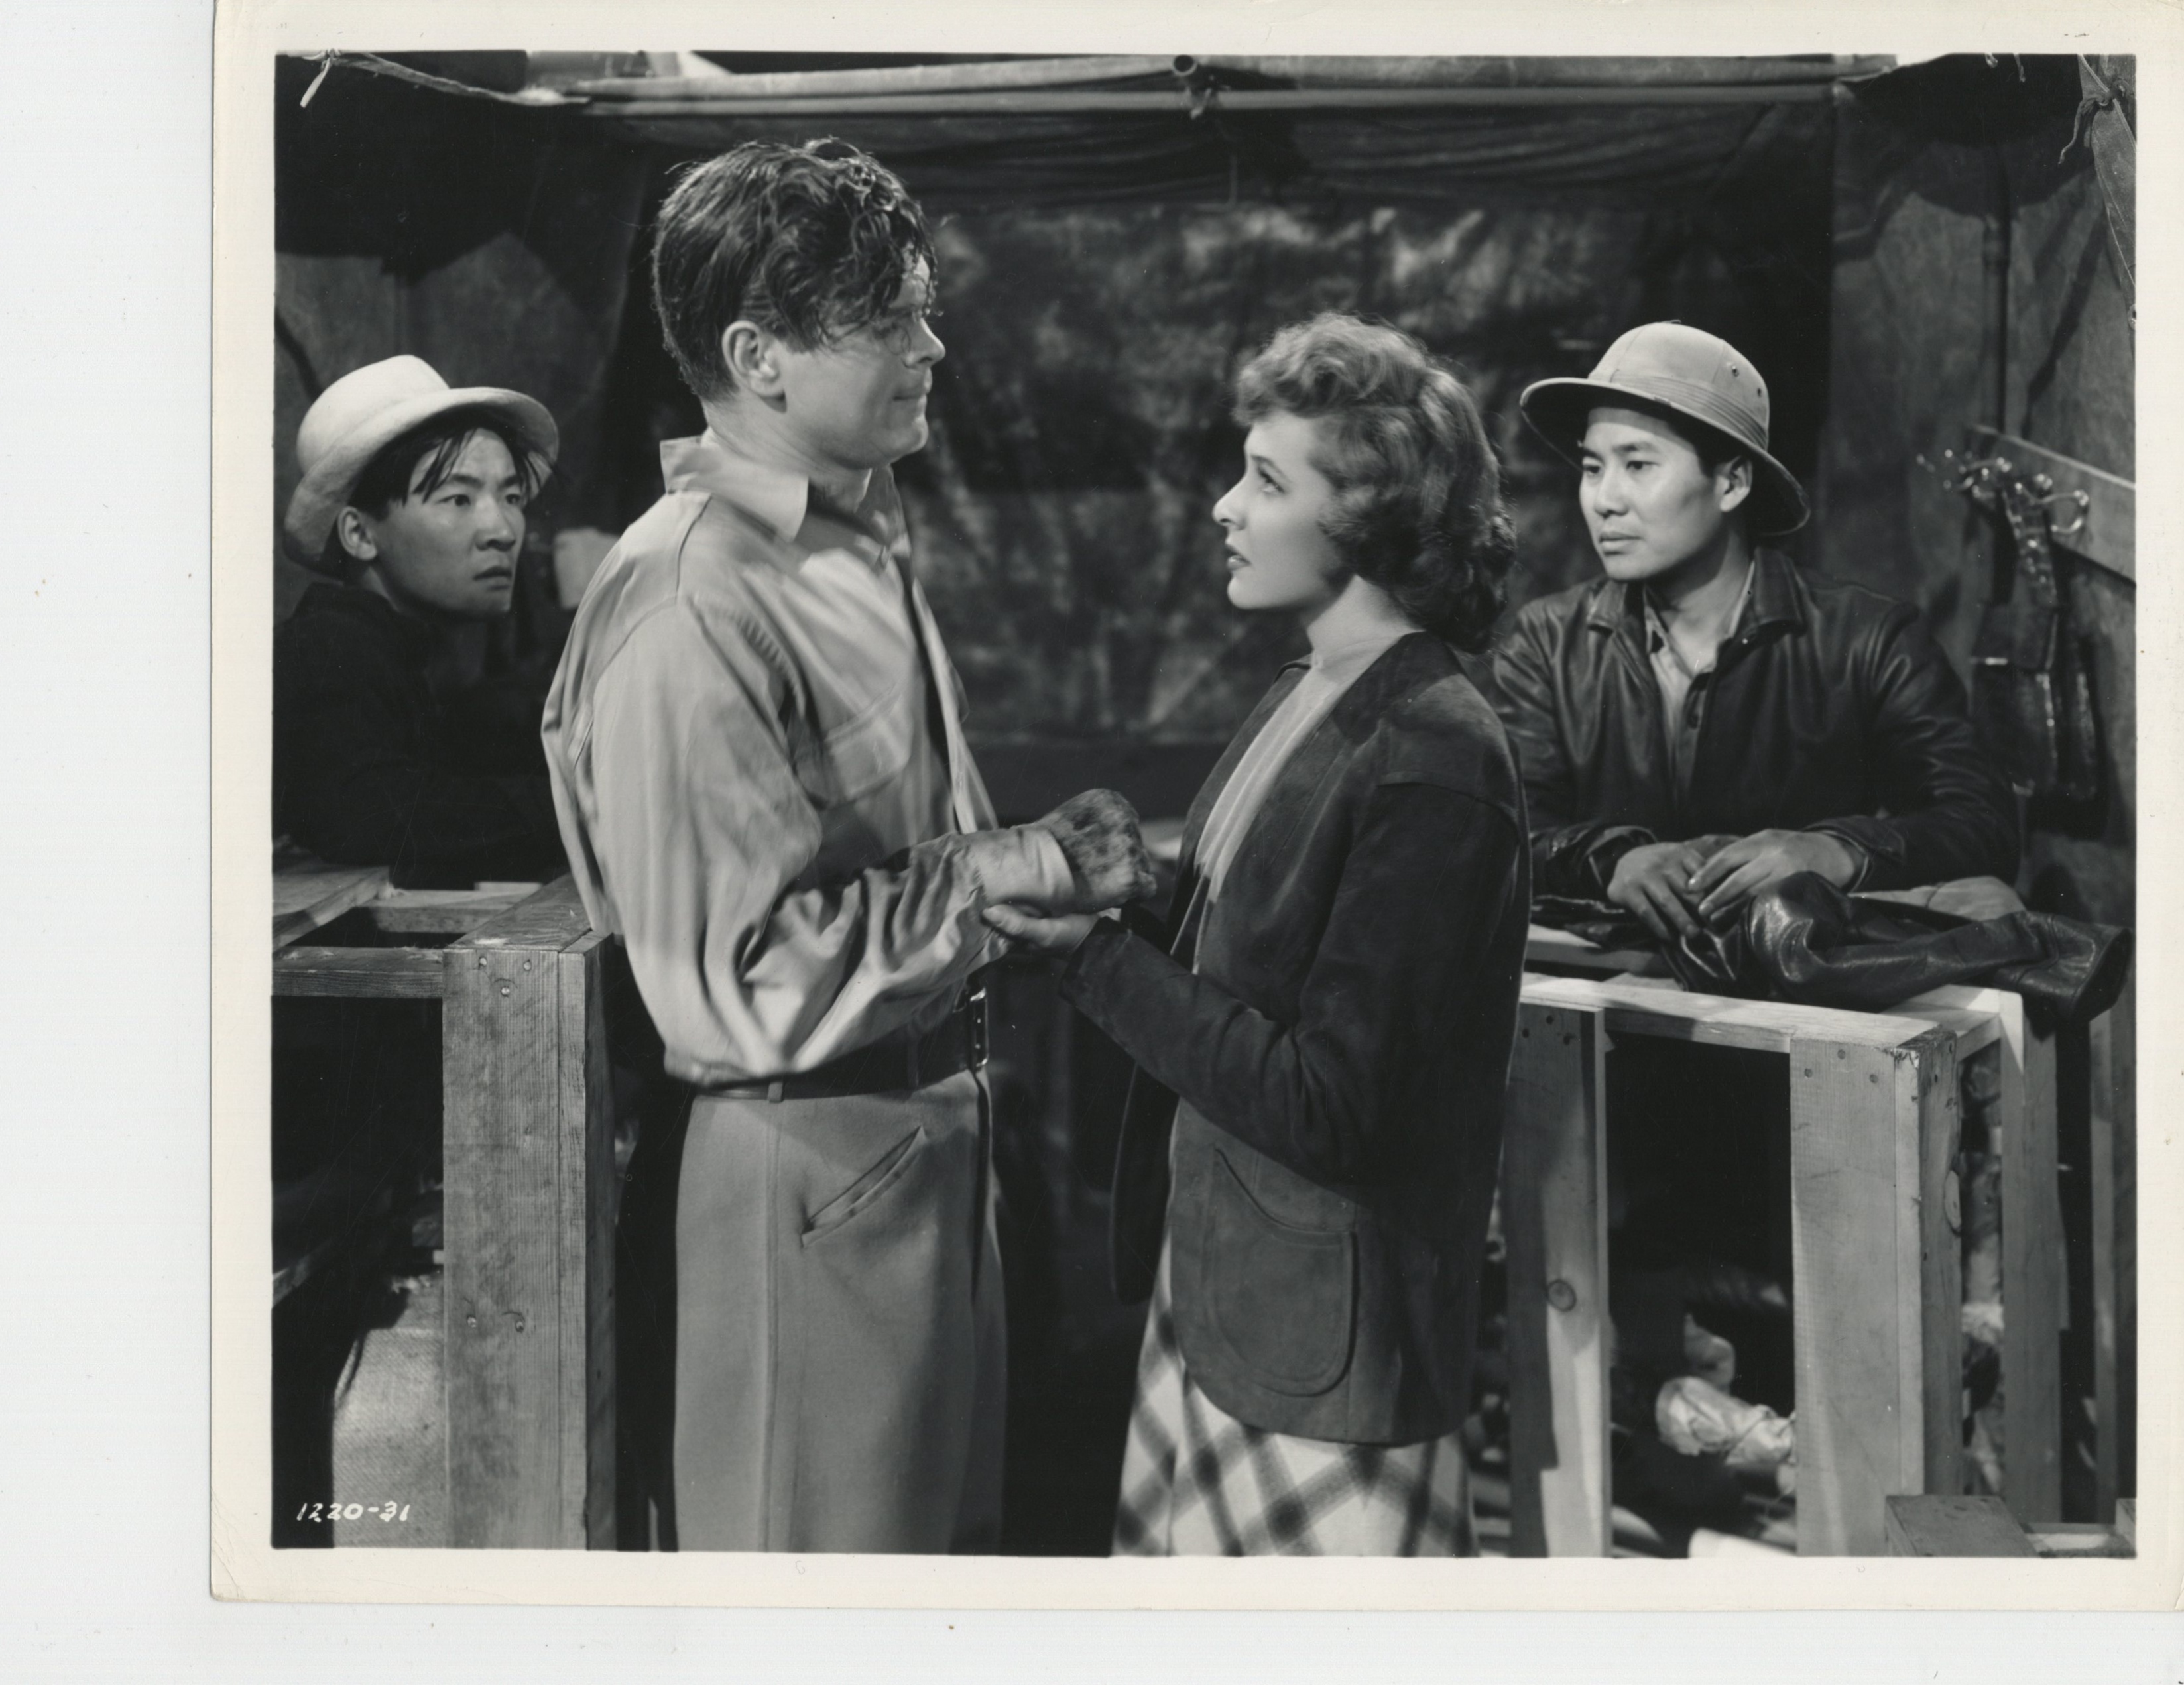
1322 1027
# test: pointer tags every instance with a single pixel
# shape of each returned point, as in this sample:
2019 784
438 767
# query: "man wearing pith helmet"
1708 719
757 750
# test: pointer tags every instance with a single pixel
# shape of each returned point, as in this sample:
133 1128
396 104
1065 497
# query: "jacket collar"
1777 599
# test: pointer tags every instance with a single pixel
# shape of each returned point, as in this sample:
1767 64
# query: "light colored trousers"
840 1355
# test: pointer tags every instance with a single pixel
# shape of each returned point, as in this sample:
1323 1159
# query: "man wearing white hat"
412 504
1708 719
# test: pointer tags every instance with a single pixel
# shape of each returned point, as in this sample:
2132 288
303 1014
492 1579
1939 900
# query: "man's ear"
753 357
356 535
1734 477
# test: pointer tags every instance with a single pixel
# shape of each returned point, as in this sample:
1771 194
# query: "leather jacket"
1337 1024
1832 710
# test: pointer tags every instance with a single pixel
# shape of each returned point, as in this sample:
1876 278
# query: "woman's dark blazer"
1340 1054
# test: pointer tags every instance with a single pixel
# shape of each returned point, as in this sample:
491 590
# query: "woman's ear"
355 535
753 358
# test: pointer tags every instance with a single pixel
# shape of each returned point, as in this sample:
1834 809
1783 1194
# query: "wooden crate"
528 1182
1876 1268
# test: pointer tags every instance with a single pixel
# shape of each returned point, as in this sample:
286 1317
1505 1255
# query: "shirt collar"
1772 597
777 496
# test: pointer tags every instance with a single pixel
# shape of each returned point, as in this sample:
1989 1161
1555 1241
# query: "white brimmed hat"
1694 375
361 414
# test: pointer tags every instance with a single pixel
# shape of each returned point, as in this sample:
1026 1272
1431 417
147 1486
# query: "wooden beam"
359 973
2109 535
437 912
528 1126
307 896
1939 1525
1554 1214
1547 947
2114 1116
1872 1136
1636 1007
2035 1303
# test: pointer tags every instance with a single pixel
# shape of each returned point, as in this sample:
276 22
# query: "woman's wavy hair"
1418 505
809 242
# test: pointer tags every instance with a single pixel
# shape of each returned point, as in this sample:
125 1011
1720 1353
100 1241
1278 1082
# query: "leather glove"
1098 831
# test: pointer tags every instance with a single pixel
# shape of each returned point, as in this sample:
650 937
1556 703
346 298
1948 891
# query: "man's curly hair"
811 242
1418 505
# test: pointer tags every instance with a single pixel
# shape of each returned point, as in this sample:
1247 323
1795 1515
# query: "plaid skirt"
1198 1483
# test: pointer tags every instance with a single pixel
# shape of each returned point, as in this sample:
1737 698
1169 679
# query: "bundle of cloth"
1805 940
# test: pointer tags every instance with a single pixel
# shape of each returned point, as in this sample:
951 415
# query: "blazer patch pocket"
1283 1297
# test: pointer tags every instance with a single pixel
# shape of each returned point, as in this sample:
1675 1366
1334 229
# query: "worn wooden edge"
1560 1500
551 919
1545 945
1934 1220
2034 1285
589 1207
306 897
1932 1525
1635 1008
2108 537
437 912
359 973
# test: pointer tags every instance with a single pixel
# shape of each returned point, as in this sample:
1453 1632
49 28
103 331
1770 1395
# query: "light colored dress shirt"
741 741
1329 673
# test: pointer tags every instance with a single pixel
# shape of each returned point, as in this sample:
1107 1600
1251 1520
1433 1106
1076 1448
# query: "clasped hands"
1108 866
1676 887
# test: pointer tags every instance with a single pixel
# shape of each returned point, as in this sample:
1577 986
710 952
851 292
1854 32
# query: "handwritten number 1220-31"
353 1512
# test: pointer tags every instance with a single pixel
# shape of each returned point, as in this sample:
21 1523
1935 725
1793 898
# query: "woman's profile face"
1278 558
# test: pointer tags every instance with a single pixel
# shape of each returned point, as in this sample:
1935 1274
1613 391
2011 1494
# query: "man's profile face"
1649 502
450 554
860 402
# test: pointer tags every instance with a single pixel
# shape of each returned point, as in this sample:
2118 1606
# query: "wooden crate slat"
437 912
359 973
1554 1215
1939 1526
549 919
2035 1291
306 897
1634 1007
589 1187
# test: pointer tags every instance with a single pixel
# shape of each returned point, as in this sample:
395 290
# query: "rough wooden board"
436 912
1856 1141
586 1128
305 897
2109 535
2114 1110
2078 1541
551 919
1634 1008
1954 1527
1545 946
501 1166
1554 1213
1934 1094
2034 1287
359 973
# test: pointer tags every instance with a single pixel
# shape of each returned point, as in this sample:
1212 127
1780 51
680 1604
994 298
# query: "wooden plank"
359 973
1936 1526
305 897
1554 1213
437 912
1548 947
588 1190
1936 1097
1863 1123
2034 1285
551 919
2078 1541
504 1226
1632 1007
2108 536
2113 1115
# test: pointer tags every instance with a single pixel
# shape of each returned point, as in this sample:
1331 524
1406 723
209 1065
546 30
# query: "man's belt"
887 1068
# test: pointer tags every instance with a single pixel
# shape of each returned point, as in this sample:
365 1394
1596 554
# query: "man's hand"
1654 881
1057 935
1098 831
1733 874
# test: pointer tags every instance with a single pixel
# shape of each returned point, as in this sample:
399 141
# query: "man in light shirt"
758 759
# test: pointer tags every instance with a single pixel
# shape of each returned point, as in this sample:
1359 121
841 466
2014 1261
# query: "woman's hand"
1057 935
